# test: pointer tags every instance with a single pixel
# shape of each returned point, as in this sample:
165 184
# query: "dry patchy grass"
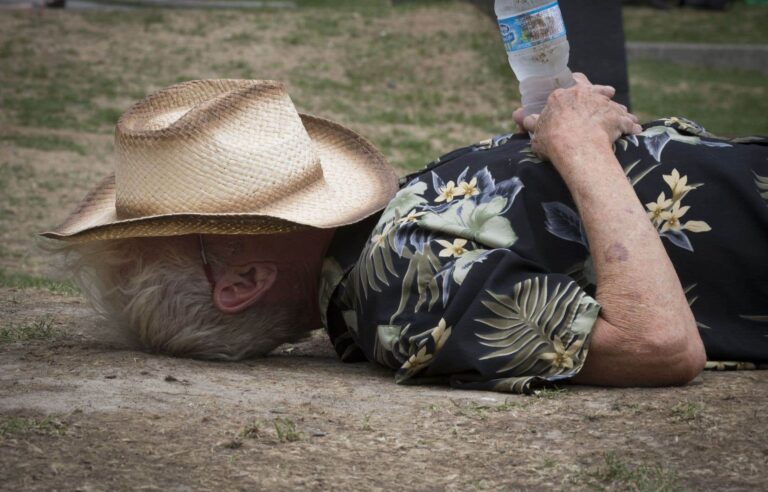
416 80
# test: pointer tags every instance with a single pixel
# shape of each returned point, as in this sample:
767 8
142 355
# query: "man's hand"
584 114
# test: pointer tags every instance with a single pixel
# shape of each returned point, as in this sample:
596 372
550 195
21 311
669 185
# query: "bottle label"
531 28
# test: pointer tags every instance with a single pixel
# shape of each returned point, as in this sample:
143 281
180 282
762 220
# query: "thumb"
519 117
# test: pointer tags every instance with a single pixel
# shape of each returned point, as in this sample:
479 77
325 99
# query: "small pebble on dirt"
230 444
173 379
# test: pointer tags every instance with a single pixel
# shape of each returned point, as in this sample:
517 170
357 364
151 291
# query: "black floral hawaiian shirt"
478 273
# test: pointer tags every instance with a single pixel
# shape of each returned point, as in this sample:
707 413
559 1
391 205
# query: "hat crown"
206 147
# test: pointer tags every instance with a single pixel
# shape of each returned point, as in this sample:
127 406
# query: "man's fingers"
620 108
625 121
530 122
629 126
624 112
519 117
605 90
581 79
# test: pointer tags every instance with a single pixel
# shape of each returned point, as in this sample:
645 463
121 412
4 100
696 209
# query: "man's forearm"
626 249
637 285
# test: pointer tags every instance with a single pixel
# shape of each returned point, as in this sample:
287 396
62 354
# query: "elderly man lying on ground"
599 252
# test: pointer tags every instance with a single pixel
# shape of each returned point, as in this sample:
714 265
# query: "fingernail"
638 129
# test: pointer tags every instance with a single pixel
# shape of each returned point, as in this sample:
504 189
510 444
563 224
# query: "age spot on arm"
616 253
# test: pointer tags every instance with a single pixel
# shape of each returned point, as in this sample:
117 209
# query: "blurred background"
418 78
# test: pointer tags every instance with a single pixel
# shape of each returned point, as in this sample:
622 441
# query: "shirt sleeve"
513 328
479 319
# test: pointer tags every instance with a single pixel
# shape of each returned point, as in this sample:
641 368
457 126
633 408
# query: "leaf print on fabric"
500 140
389 238
463 264
458 269
624 142
509 188
692 298
350 319
479 217
422 270
330 277
656 139
679 239
377 261
563 222
666 214
635 178
528 323
482 223
405 201
762 186
756 318
530 156
688 126
387 338
750 139
688 291
375 265
495 141
407 229
413 216
583 273
422 353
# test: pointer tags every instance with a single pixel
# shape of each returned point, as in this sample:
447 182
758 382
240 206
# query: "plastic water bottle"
534 36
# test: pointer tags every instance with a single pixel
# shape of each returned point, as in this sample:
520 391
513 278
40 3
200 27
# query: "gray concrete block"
736 56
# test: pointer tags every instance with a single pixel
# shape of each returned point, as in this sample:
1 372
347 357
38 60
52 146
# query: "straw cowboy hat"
229 157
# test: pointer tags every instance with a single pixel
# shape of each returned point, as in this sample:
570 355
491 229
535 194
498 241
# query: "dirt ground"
81 412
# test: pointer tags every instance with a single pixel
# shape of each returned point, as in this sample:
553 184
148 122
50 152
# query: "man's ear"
240 287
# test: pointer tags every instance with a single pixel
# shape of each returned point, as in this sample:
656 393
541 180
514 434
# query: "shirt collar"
343 252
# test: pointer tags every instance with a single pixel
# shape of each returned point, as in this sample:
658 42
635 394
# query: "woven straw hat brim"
357 182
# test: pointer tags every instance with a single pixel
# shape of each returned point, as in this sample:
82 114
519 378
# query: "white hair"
158 298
